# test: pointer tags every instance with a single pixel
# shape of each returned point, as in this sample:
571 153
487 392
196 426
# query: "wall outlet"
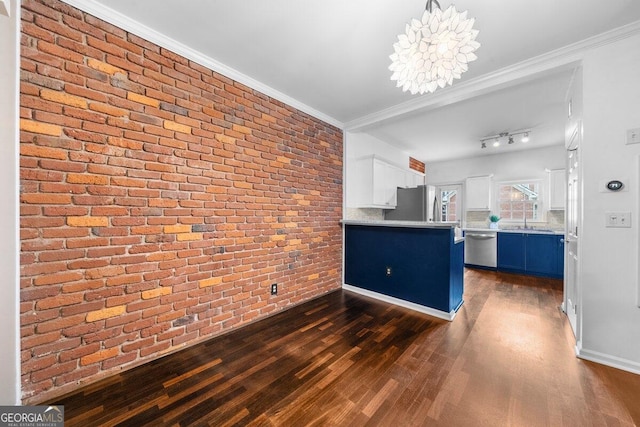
274 289
618 219
633 136
388 271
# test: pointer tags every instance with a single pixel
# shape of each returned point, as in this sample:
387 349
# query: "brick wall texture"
416 165
159 201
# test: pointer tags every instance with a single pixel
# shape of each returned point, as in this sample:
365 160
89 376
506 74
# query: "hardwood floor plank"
345 360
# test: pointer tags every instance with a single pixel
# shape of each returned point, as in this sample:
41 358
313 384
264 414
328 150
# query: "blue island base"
418 267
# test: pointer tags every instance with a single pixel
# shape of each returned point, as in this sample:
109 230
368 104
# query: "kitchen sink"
534 230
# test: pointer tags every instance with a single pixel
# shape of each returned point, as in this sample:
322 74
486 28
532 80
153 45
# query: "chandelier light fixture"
509 136
434 50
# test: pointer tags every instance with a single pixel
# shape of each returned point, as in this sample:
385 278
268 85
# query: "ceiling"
332 57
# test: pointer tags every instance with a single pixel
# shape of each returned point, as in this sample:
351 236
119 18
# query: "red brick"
99 356
58 324
176 183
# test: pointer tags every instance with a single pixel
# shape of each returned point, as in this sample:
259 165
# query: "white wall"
517 165
508 166
609 258
9 246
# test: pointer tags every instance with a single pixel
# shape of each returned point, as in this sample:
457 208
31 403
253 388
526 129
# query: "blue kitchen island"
412 264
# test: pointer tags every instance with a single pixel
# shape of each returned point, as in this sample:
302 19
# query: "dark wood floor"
346 360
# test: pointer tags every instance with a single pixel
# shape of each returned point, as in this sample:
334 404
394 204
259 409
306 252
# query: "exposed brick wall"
159 200
416 165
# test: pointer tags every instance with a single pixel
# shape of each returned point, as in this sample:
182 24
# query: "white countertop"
407 224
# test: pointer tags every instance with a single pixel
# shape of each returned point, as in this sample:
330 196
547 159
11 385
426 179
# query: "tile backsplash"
365 214
480 219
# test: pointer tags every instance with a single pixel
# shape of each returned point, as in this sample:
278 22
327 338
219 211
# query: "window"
519 201
449 204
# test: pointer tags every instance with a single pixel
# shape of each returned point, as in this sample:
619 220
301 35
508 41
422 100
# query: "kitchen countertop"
404 224
384 223
515 230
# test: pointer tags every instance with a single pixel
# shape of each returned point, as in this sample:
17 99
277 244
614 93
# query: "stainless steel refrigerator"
416 204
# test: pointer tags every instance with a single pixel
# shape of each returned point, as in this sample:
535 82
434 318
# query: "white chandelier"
434 50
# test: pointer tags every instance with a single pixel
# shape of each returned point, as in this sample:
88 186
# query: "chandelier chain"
430 3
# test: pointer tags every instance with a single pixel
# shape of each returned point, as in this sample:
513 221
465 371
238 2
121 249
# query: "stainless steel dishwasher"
481 249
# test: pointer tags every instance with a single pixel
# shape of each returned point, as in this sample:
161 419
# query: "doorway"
449 198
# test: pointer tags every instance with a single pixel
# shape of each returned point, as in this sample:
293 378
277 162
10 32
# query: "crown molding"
566 57
126 23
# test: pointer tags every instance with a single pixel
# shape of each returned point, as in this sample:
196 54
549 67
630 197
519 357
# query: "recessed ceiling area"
454 131
331 58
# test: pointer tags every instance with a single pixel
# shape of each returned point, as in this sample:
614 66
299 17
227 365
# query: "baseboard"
609 360
402 303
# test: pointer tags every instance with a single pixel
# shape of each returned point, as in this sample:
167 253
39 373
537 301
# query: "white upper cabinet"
557 189
377 182
478 193
413 179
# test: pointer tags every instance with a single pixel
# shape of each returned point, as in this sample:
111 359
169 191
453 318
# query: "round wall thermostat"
615 185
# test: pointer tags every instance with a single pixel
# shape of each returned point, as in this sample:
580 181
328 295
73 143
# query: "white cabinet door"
478 193
379 182
379 190
557 189
414 179
394 178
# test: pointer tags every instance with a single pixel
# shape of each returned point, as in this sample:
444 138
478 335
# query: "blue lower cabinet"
542 254
420 265
533 254
511 252
560 256
456 276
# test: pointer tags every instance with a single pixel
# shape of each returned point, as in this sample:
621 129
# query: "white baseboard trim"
609 360
402 303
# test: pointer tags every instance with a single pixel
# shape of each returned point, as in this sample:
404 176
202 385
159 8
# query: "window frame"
539 204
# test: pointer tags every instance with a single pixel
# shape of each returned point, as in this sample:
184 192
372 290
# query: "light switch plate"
618 219
5 7
633 136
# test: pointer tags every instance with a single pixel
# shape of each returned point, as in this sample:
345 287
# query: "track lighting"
509 136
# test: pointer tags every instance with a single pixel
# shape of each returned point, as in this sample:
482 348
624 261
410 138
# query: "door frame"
573 143
457 187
